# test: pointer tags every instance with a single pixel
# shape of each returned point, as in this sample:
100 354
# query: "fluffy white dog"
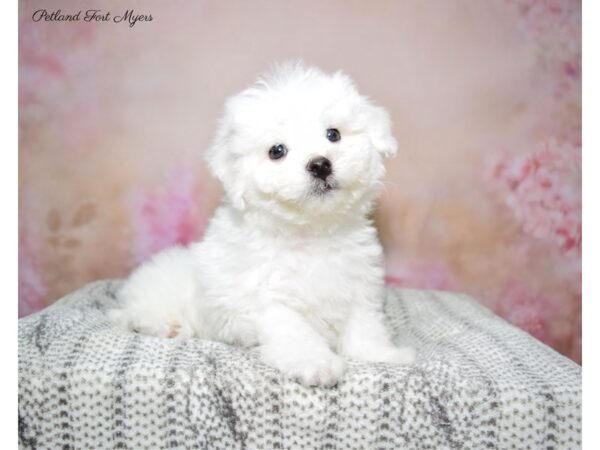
290 261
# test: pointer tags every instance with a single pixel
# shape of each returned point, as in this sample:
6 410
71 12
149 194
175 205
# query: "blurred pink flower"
542 188
61 89
165 218
37 65
531 312
555 28
42 64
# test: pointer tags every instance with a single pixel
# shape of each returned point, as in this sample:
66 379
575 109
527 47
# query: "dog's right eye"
278 151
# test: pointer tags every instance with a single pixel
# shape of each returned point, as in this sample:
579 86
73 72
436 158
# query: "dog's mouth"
324 187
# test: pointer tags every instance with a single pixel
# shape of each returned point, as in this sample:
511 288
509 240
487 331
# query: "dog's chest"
320 277
324 277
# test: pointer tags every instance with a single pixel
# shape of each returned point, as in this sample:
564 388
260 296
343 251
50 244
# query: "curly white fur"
284 264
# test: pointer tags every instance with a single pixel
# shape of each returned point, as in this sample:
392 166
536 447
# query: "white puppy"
290 261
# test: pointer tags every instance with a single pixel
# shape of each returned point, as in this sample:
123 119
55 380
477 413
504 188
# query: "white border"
591 222
9 222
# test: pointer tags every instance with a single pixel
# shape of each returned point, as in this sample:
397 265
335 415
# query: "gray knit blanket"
478 383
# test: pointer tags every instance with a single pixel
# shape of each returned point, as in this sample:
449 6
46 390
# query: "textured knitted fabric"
478 383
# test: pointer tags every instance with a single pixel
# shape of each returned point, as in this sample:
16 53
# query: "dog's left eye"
277 151
333 134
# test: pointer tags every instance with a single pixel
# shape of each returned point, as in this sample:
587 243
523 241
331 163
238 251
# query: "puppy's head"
302 144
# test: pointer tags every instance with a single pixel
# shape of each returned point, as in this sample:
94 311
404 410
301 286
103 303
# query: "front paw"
320 372
319 368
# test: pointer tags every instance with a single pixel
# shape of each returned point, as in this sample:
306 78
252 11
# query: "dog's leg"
290 344
159 298
365 338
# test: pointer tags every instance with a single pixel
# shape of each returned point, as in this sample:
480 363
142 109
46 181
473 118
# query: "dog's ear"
380 131
222 162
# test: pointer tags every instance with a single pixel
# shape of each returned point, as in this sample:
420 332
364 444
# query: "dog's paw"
321 368
148 325
325 372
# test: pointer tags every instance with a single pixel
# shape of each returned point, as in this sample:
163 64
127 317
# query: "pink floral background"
484 197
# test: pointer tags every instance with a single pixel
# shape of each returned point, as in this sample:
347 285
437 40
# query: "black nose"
320 167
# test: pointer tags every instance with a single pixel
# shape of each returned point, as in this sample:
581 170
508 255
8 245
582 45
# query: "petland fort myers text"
91 15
